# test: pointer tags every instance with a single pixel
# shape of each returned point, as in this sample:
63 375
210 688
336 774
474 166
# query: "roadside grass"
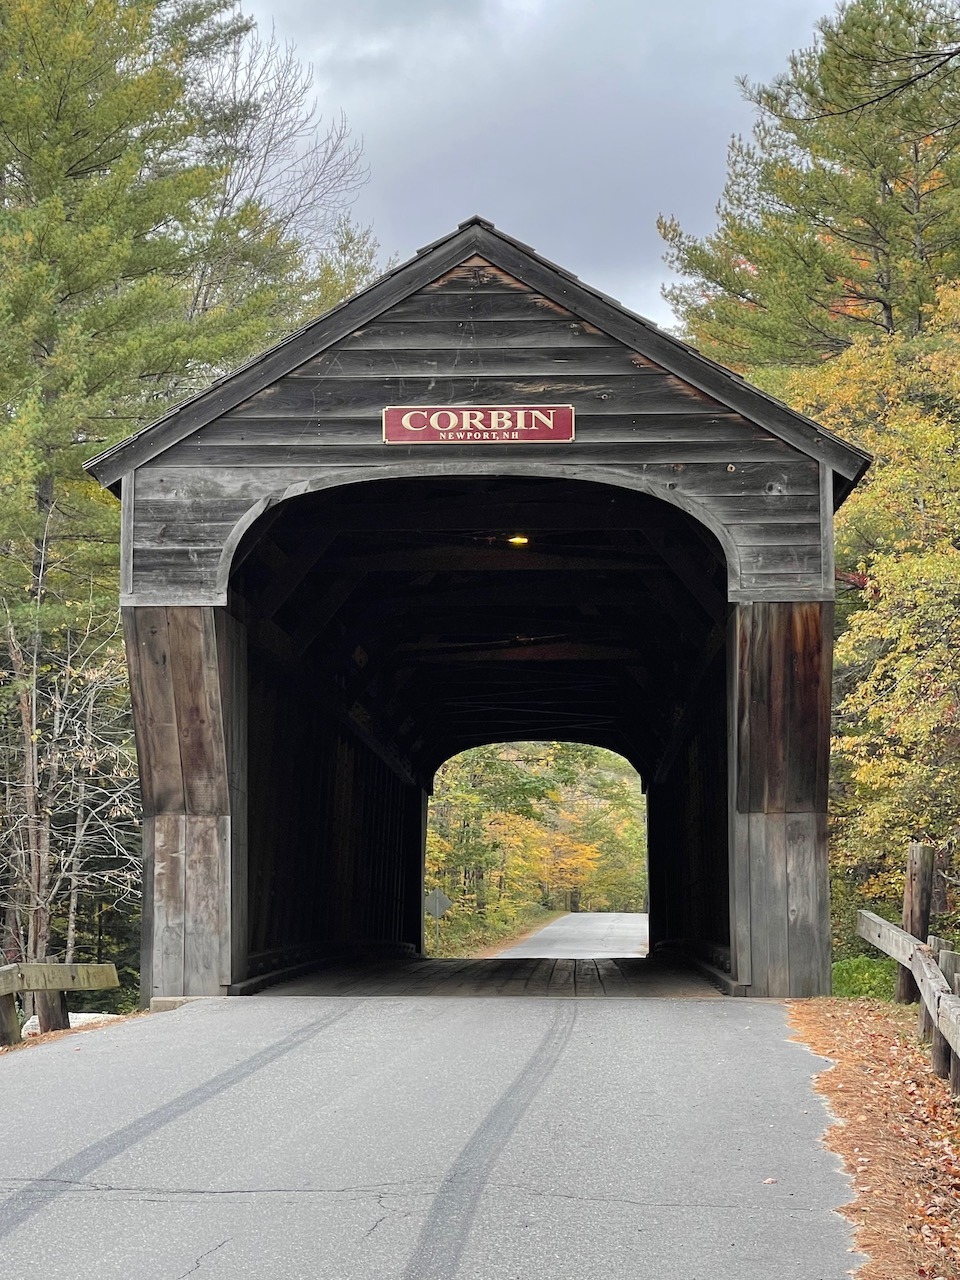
467 935
870 976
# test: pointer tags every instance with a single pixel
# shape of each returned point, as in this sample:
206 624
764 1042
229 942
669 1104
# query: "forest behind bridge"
522 829
148 248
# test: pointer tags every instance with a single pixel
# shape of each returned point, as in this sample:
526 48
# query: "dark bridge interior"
392 624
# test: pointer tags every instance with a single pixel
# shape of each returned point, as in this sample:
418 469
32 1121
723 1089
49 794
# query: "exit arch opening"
519 834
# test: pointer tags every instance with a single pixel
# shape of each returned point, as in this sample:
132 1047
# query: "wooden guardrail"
928 963
50 982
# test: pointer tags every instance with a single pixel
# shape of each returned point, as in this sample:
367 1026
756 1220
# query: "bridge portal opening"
392 624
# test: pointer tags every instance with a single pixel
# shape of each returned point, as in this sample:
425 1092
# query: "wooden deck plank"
520 973
562 980
508 976
539 980
587 979
612 980
442 973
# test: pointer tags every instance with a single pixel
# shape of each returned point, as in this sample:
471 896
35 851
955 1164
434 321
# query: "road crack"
196 1265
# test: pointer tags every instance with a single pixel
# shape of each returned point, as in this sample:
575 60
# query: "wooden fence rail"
939 999
50 982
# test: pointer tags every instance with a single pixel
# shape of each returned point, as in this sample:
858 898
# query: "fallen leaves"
898 1132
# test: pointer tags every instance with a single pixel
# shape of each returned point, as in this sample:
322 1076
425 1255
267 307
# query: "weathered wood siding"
780 666
477 335
188 683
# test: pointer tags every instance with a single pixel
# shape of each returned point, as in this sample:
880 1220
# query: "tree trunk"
74 875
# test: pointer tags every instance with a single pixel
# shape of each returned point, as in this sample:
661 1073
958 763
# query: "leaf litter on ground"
897 1130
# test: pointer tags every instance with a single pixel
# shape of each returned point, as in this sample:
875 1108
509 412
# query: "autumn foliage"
833 280
521 829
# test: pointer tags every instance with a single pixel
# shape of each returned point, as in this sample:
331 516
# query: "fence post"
940 1053
9 1021
949 962
52 1012
917 897
926 1028
51 1007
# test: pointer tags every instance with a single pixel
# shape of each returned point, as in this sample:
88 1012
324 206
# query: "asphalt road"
587 935
418 1139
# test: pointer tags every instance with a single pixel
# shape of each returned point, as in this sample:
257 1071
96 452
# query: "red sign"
478 424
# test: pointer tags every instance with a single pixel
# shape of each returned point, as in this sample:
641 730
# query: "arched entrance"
421 629
317 615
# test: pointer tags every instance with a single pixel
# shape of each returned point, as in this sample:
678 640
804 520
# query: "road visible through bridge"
410 1138
598 935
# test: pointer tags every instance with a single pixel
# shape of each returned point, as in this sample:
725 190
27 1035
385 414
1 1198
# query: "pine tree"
135 264
834 220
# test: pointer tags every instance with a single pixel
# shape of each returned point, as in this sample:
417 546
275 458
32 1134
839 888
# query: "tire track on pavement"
38 1194
443 1237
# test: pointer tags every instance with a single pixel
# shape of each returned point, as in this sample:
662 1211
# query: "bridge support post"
188 688
779 676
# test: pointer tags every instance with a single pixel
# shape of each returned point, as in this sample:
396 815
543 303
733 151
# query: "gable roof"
478 236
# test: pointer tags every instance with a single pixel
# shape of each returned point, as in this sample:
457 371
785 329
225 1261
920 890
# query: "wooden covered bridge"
478 502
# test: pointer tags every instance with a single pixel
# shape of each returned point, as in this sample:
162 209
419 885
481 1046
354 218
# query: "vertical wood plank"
126 533
196 688
233 668
147 912
741 910
51 1010
759 898
827 554
808 906
738 791
203 904
821 795
774 662
781 800
952 974
758 708
741 656
949 962
917 899
168 903
777 904
738 765
808 734
154 709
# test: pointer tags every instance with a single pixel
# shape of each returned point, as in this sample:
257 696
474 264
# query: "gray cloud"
570 124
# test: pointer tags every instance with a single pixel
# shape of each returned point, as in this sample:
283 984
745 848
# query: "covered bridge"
478 502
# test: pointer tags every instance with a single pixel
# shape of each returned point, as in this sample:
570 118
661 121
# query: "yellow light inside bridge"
518 540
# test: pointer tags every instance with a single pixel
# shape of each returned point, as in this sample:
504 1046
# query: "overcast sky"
569 123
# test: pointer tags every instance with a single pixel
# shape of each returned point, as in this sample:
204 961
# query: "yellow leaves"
898 746
897 750
521 823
